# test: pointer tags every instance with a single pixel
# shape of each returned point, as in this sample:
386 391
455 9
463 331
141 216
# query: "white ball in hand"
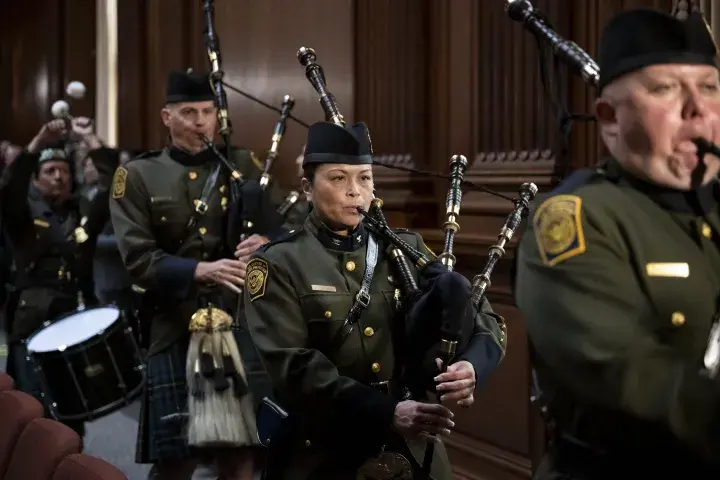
60 109
76 89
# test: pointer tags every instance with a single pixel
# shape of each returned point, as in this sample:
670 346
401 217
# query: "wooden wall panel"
39 56
258 48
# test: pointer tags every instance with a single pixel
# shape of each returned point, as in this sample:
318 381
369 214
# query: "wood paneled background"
431 79
44 45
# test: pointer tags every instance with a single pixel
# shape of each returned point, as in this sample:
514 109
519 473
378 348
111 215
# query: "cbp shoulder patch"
119 180
558 229
256 278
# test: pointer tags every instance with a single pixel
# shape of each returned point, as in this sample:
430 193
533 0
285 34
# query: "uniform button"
205 255
307 443
375 367
350 266
223 201
163 219
222 188
202 230
328 314
369 332
706 230
192 175
196 201
677 319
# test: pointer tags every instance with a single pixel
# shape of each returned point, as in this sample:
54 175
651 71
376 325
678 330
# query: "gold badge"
119 180
260 165
558 229
41 223
257 271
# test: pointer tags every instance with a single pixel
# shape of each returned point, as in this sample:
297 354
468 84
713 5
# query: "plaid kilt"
163 415
162 430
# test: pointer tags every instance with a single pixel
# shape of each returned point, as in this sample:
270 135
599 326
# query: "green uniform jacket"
38 234
152 200
299 291
618 292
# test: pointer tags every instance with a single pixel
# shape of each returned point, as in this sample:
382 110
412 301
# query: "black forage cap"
55 152
188 87
332 143
635 39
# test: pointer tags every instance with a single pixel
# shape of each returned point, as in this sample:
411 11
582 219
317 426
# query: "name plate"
668 269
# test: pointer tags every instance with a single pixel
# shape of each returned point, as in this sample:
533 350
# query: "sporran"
386 466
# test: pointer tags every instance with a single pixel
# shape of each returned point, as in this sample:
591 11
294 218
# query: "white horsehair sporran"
386 466
220 411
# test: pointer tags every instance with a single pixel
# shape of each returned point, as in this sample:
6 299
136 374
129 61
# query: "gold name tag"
663 269
41 223
323 288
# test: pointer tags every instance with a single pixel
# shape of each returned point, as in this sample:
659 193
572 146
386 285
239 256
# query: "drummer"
52 233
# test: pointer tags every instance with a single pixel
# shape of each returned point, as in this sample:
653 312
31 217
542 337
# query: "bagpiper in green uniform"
350 415
179 258
619 272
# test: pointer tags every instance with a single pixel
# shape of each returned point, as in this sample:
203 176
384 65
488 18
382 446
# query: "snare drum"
88 362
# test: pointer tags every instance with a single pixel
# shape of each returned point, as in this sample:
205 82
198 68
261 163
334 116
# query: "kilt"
162 430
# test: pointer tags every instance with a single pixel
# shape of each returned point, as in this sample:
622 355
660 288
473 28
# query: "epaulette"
292 234
151 153
401 230
577 179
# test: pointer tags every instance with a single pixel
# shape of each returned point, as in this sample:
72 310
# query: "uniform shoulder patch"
558 229
256 278
119 181
287 237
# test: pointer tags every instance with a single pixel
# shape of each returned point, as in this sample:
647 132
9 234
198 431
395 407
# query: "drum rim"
121 317
109 408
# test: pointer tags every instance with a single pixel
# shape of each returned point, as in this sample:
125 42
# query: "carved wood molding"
513 158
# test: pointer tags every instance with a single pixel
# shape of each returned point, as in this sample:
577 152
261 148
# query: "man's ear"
606 114
165 116
306 188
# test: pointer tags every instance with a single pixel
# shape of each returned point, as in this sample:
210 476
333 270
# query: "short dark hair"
309 172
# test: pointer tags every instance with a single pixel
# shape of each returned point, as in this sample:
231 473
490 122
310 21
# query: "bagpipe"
441 305
220 411
251 210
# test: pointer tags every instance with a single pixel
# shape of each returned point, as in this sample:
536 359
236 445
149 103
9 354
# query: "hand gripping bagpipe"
441 305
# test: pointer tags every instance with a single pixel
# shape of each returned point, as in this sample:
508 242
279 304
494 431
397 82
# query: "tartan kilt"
163 413
162 429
